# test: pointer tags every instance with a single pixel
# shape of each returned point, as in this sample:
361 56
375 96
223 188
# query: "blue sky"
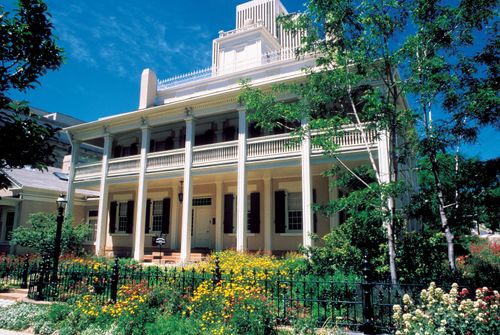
108 43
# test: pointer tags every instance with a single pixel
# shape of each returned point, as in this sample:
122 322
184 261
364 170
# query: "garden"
236 293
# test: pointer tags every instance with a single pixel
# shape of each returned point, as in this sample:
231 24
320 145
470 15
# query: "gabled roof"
54 179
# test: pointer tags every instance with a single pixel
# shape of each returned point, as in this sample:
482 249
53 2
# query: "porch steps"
173 257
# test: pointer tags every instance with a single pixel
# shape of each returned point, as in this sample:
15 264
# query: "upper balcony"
265 148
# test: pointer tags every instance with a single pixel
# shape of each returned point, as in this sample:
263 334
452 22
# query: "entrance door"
202 219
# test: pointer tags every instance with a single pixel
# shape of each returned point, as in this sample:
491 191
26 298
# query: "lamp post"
61 204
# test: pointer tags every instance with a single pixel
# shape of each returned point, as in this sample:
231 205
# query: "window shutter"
152 147
112 217
315 216
134 149
255 213
228 213
165 220
148 216
279 212
130 217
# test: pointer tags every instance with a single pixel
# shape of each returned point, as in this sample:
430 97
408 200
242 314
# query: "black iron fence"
362 305
16 271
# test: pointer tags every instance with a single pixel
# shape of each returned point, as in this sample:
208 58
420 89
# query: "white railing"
84 171
260 148
124 165
275 145
238 30
165 160
215 153
214 71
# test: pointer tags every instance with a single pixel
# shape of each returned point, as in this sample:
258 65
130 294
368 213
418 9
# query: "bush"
173 325
40 231
236 307
449 313
482 266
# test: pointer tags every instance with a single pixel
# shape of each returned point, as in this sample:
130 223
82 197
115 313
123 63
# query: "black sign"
160 241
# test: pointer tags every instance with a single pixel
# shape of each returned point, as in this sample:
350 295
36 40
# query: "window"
294 219
9 225
157 216
92 222
202 201
122 217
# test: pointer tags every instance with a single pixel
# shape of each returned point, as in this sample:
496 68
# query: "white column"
268 196
333 194
70 194
219 202
241 206
16 223
383 157
307 215
188 196
175 217
142 195
102 216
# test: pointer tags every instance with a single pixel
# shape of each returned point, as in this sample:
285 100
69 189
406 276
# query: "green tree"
27 51
354 82
370 55
40 232
452 73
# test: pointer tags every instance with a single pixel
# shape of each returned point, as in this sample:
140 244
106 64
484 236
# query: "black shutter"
130 217
254 213
228 213
165 219
152 147
279 212
315 216
112 217
148 215
134 149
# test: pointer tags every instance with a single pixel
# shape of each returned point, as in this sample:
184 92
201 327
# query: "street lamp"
61 204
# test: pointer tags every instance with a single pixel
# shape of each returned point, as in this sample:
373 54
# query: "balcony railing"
260 148
215 71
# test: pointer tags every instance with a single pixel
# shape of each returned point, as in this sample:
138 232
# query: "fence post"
114 280
367 327
26 270
217 273
42 273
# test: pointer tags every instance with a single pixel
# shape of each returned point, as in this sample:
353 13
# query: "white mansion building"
187 163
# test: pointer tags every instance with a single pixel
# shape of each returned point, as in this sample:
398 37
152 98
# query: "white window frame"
287 213
151 217
93 233
118 230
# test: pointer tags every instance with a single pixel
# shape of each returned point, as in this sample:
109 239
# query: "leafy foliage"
27 50
40 231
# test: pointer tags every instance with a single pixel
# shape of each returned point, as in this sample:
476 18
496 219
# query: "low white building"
187 163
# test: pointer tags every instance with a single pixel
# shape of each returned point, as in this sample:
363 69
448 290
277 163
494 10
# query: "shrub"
173 325
232 307
482 266
449 313
40 232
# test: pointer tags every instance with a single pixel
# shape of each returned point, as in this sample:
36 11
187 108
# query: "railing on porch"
260 148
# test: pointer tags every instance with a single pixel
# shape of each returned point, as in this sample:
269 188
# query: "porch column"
142 195
102 215
219 201
16 223
175 218
268 195
188 187
383 157
333 194
241 206
70 194
307 215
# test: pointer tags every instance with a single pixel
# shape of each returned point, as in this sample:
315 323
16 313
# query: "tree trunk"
442 213
390 242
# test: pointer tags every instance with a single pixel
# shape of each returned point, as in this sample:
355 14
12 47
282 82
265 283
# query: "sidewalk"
11 332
